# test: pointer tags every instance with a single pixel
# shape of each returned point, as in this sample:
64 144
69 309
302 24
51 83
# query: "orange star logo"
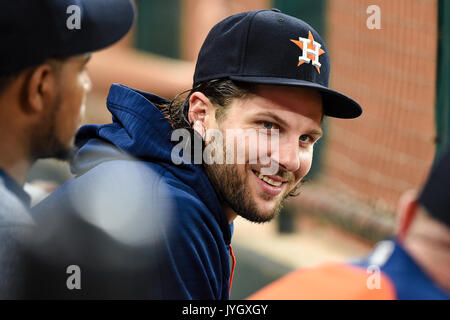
310 51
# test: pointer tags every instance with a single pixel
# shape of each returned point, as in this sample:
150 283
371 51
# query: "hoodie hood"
139 130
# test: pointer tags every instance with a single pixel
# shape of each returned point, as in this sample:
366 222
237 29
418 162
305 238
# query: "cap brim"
104 22
335 104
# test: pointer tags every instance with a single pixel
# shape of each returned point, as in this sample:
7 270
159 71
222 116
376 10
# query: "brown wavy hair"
221 92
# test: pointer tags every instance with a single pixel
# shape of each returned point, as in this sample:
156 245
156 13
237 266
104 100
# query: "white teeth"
269 181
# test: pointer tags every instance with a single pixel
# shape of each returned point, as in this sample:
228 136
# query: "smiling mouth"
267 179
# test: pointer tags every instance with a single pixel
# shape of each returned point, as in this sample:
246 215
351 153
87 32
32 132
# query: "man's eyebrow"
317 132
274 117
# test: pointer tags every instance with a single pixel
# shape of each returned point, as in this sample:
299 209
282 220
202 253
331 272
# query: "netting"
391 72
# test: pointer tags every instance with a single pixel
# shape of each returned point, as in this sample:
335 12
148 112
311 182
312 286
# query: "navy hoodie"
192 258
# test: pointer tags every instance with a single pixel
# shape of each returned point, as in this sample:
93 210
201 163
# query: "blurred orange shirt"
327 282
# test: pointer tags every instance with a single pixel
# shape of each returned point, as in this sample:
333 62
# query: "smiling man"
290 116
261 72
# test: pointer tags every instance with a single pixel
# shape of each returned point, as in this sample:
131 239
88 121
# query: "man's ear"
199 108
406 212
39 88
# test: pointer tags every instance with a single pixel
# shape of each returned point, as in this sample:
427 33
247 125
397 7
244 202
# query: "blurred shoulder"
12 211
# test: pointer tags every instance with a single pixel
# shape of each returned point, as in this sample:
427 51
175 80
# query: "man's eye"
305 138
268 125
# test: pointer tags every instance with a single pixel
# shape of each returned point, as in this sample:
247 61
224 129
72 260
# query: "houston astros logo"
310 51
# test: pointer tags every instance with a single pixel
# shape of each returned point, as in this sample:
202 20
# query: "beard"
233 190
60 151
46 143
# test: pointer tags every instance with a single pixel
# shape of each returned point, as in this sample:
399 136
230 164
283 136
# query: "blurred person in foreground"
261 71
43 87
414 265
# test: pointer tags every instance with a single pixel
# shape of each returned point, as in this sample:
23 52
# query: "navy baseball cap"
32 31
435 195
269 47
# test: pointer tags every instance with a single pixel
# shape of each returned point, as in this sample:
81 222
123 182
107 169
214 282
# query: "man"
261 74
415 265
43 87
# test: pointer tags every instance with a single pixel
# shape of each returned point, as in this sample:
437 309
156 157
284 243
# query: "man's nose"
289 155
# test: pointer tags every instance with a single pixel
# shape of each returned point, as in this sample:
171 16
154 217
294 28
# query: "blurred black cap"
435 196
32 31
